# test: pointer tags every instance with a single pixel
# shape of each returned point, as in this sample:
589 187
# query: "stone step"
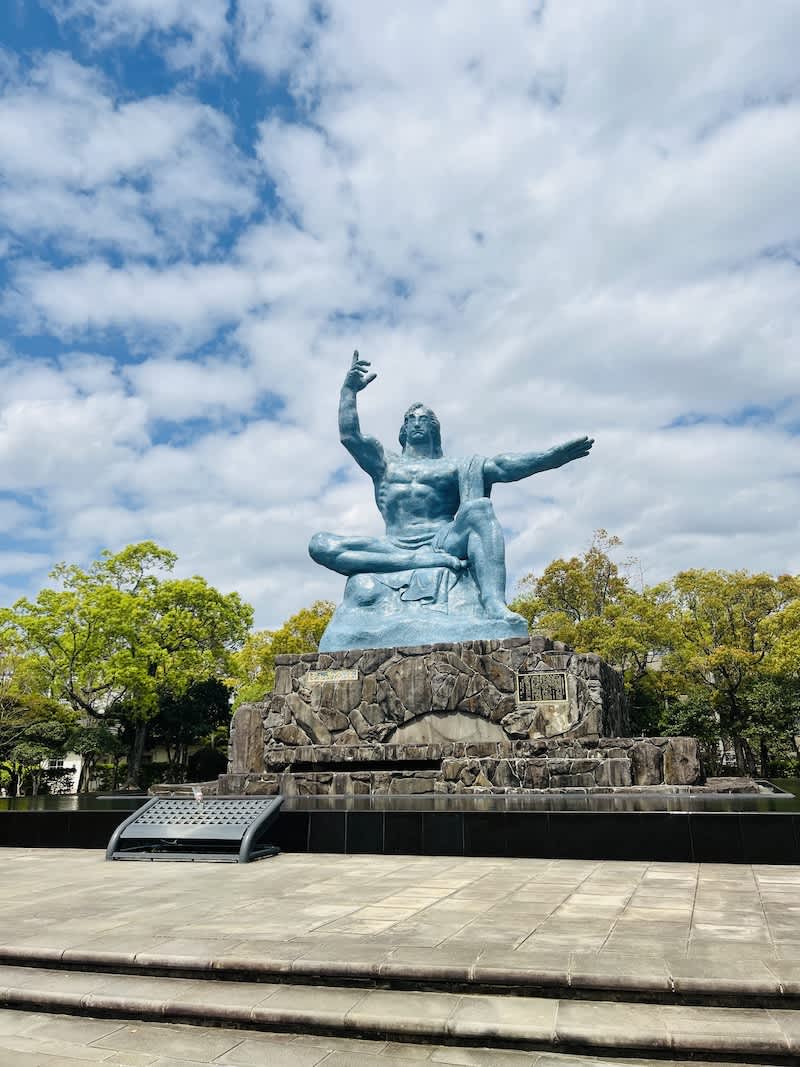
40 1039
585 1027
589 976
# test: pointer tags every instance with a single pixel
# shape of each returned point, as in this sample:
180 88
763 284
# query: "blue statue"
439 573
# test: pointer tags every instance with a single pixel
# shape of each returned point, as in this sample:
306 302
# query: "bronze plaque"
541 687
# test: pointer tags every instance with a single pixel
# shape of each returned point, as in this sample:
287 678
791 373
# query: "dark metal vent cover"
212 829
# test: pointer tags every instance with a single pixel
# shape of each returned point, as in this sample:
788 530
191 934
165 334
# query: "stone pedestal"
476 716
598 765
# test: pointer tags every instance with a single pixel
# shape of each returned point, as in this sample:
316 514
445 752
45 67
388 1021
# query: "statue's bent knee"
320 548
363 590
477 511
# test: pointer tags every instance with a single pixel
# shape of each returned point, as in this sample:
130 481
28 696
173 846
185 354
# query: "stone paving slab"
587 924
30 1039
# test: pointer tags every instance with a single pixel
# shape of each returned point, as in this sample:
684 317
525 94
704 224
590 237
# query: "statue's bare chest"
416 490
437 474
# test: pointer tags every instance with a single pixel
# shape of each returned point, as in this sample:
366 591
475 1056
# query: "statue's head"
420 425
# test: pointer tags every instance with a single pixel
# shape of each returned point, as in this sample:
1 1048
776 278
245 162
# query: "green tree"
33 727
93 741
689 712
783 630
253 673
572 591
32 730
731 627
200 715
773 706
590 604
109 639
633 632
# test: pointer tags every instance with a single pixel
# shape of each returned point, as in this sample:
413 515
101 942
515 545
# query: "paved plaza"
663 920
689 930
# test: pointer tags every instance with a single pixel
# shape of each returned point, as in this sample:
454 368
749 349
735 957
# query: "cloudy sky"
544 219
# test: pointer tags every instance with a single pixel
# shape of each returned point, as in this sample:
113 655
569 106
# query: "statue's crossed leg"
473 539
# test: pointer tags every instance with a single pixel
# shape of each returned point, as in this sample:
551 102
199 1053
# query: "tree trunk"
738 748
745 760
764 756
136 755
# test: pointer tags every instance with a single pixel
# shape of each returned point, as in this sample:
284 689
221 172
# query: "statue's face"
419 428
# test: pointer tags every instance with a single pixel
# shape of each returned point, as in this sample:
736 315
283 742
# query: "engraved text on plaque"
345 674
541 686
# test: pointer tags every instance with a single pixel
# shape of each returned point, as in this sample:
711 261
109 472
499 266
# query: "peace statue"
439 573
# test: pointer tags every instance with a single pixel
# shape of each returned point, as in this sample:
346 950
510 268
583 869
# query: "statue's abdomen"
405 504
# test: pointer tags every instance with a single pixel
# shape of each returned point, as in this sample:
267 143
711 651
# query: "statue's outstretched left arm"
513 466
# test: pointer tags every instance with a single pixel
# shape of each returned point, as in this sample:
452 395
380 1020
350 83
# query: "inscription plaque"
541 687
344 674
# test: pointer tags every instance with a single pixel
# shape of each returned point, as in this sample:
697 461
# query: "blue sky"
540 220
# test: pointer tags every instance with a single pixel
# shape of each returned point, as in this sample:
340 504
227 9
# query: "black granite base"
658 836
744 836
58 829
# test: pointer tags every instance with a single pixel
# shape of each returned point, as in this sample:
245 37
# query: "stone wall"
432 694
549 765
513 716
612 762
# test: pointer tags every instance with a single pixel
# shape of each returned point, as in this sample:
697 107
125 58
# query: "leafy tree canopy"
590 603
715 654
253 674
109 639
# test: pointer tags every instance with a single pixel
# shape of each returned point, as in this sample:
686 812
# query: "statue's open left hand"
358 376
577 449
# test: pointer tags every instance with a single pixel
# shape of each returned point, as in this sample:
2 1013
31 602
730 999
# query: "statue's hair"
436 428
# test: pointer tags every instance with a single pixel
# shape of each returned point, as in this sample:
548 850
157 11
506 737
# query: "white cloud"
191 299
272 34
57 438
178 390
192 33
21 562
155 176
542 224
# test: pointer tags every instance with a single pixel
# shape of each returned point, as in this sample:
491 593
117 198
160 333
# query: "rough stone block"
614 771
582 766
505 775
647 764
536 774
283 681
571 781
410 786
292 735
409 679
682 765
451 769
348 737
333 720
266 786
246 747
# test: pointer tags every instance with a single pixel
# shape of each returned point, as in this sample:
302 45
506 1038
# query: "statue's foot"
427 556
496 609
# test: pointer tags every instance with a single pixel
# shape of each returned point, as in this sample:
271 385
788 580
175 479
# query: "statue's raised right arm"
366 451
